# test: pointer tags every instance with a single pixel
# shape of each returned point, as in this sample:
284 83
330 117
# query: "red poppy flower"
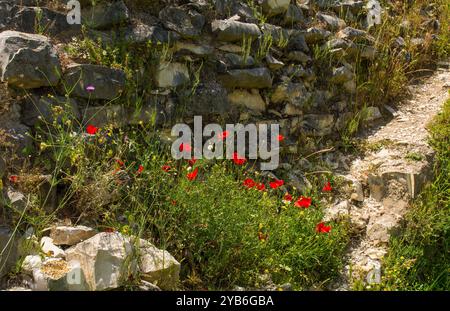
260 186
185 147
303 202
322 228
166 168
327 187
249 183
237 159
287 197
13 179
192 161
140 169
276 183
223 135
191 176
91 130
280 137
120 162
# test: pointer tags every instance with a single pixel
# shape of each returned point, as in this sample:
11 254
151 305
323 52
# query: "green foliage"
386 77
39 28
264 46
257 12
246 48
223 233
137 61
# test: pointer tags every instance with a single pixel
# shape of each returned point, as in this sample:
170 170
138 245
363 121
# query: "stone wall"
238 61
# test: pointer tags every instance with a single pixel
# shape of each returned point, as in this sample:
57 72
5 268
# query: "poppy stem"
318 172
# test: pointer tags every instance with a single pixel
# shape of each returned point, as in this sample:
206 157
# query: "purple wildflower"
90 88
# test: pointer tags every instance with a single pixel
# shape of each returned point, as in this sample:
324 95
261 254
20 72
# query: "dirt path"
385 179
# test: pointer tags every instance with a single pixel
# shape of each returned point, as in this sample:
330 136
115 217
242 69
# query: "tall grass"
386 78
223 233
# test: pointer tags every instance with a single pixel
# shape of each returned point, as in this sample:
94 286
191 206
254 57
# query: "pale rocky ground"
391 178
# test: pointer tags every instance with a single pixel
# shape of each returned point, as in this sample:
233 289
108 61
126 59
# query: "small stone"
16 199
331 22
299 56
38 18
318 125
31 263
250 100
171 75
18 138
278 34
256 78
196 49
139 33
337 211
114 115
315 35
231 48
231 30
372 114
393 112
292 110
376 187
64 235
238 61
341 75
147 286
27 60
200 102
273 63
353 187
18 289
294 93
104 15
379 229
298 71
108 82
345 47
443 64
293 15
350 86
275 7
354 34
187 22
297 42
49 109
